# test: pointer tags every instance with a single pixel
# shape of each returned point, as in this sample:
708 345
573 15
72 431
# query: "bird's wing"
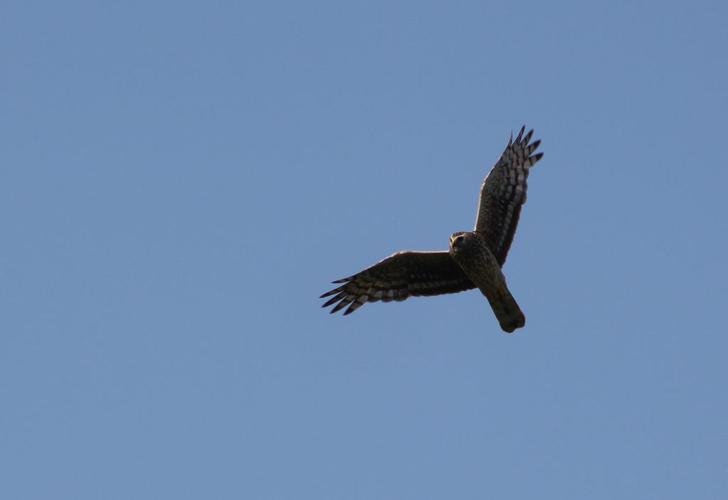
398 277
504 192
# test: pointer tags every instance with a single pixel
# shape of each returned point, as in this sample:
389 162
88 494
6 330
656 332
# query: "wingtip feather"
520 134
528 136
344 302
330 292
338 296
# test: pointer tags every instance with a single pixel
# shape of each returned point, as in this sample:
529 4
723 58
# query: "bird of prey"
475 257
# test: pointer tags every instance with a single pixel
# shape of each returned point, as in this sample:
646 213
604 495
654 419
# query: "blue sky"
180 181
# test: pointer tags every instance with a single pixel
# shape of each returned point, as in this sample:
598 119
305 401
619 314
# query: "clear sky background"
180 181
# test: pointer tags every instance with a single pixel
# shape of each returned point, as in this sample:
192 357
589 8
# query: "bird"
474 258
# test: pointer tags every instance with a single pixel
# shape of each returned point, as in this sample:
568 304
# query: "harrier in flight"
475 257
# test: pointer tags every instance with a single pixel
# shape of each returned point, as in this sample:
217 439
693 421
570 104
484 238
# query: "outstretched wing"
504 193
398 277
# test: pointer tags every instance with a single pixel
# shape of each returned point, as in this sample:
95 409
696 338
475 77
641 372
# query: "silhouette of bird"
474 259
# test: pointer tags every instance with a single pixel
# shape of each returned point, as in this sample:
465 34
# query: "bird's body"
474 259
472 254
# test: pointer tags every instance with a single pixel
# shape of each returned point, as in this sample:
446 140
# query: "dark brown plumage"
474 259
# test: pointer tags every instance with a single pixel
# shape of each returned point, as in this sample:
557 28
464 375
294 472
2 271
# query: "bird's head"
458 241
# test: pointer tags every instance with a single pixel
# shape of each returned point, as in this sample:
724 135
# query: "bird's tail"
506 309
